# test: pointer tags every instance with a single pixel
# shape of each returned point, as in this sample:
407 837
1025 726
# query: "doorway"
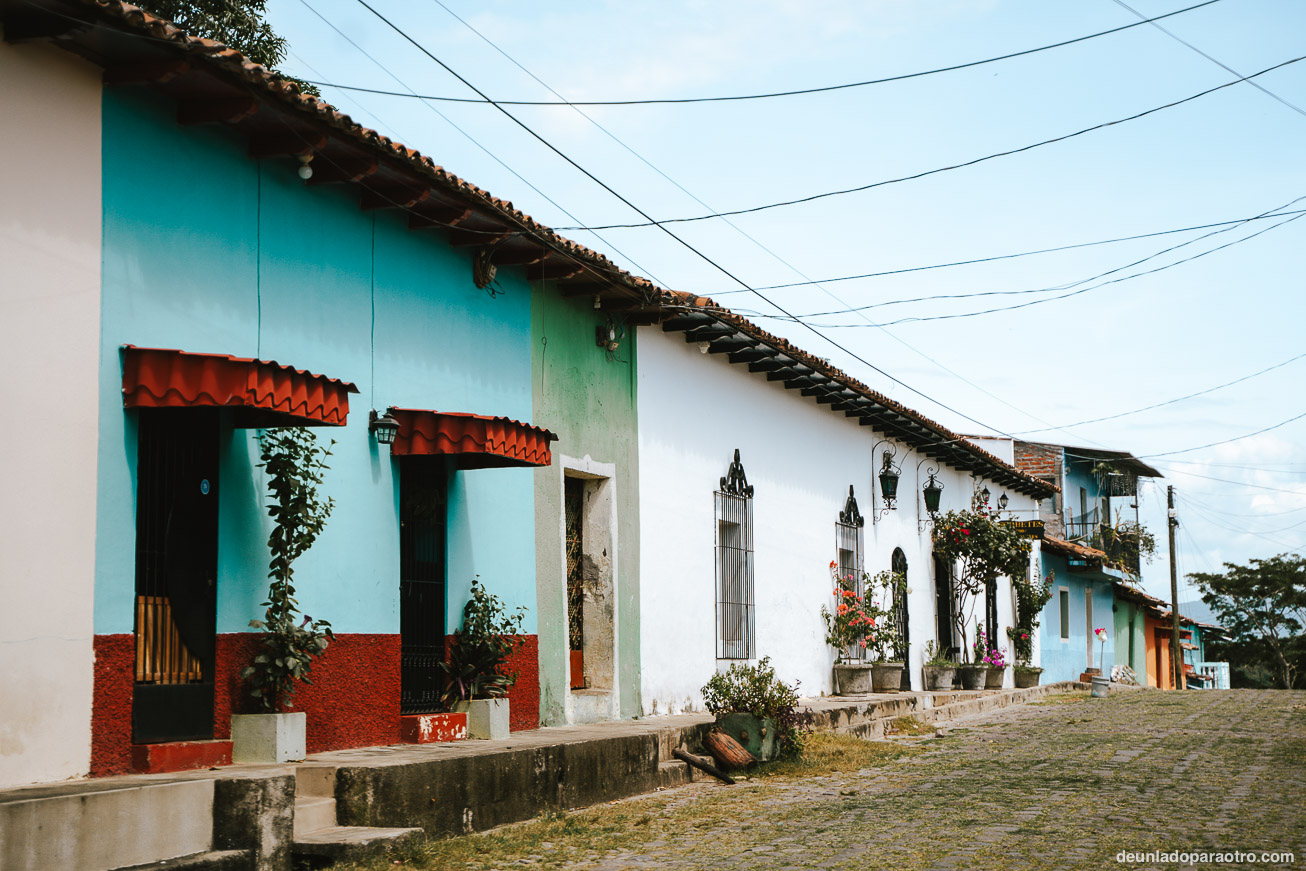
943 608
176 574
423 501
574 507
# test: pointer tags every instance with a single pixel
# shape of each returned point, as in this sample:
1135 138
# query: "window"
848 550
898 565
735 618
943 606
1063 604
1088 622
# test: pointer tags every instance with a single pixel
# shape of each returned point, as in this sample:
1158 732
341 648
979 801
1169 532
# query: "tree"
1262 606
238 24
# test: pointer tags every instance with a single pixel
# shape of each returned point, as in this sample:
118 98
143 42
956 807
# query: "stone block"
486 718
268 737
433 728
180 756
256 814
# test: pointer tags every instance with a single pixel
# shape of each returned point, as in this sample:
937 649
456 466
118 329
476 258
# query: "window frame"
736 606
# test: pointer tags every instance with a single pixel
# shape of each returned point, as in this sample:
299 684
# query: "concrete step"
678 773
214 860
105 825
315 780
353 843
313 813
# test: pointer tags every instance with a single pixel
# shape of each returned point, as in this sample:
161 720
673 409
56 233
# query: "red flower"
833 564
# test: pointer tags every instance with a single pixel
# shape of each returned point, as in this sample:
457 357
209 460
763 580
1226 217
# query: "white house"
748 448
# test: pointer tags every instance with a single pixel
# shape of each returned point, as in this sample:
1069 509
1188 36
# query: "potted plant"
294 463
996 660
1031 595
974 673
882 639
938 670
846 628
476 666
982 550
758 710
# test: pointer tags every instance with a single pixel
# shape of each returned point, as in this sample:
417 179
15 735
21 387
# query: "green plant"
481 648
886 643
294 463
982 549
1031 596
936 657
755 689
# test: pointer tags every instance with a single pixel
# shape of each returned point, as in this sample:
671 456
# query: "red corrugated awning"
471 440
265 393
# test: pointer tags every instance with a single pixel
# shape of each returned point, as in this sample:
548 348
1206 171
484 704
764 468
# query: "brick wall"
1044 461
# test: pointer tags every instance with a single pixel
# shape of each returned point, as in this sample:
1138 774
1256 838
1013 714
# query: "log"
728 752
703 766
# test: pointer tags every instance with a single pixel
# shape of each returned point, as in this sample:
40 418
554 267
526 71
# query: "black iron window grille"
735 609
899 567
848 546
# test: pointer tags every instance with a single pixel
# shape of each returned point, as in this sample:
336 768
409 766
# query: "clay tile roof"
1069 548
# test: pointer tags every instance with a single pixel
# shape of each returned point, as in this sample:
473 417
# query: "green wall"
1124 612
586 396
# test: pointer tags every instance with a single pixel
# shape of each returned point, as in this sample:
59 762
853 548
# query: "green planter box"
756 735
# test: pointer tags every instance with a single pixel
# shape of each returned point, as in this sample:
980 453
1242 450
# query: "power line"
1067 285
650 222
1172 470
677 238
1224 441
486 101
729 222
473 139
1221 65
1177 399
819 281
1082 290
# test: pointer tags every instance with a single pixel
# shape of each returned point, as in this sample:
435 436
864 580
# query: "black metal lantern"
889 474
932 491
985 494
1002 502
384 427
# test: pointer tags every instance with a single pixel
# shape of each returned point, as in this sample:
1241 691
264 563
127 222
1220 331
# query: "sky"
1126 342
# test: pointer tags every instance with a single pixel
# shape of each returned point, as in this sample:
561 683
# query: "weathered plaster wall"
1066 659
49 339
586 396
1127 615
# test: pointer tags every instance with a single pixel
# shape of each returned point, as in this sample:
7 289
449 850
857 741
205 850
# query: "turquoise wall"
206 250
1126 613
1066 660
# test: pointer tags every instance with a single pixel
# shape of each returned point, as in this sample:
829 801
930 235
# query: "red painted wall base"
432 728
180 756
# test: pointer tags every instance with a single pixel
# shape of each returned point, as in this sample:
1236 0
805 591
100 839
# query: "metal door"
423 489
176 574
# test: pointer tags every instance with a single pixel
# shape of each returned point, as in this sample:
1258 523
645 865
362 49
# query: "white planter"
268 737
486 718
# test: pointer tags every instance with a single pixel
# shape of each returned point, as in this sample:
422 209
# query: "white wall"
694 411
49 351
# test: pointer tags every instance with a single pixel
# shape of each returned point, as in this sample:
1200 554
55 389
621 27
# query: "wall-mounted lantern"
1002 502
889 475
984 495
932 491
384 427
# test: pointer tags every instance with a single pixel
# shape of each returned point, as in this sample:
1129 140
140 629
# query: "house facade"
1089 548
759 466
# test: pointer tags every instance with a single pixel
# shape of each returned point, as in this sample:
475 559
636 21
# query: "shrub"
755 689
481 648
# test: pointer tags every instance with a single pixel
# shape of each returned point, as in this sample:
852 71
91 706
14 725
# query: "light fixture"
932 491
384 427
1002 502
889 474
703 346
609 336
985 494
305 171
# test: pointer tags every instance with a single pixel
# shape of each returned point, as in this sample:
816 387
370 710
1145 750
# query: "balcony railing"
1117 544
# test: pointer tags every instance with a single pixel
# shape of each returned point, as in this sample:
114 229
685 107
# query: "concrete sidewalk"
349 803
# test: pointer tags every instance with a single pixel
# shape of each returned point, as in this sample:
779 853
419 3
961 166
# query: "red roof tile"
163 378
474 441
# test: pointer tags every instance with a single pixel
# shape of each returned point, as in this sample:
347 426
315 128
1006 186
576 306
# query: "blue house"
1091 530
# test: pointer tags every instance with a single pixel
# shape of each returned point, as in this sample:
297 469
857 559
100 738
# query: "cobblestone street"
1066 783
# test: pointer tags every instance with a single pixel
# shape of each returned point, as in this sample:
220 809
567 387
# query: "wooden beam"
386 196
770 365
556 269
227 111
478 238
709 331
288 144
521 257
751 355
784 374
686 322
729 345
327 171
145 73
642 318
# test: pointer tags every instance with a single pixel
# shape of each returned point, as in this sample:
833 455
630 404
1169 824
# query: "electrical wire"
1174 471
485 101
1073 293
473 140
819 281
1221 65
732 224
1177 399
650 222
711 262
1225 441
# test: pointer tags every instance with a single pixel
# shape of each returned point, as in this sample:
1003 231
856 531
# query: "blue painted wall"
206 250
1067 659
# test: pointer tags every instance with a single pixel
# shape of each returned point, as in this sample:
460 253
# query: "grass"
560 838
1062 699
908 726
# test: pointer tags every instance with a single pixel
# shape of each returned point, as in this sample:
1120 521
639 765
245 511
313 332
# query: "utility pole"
1176 658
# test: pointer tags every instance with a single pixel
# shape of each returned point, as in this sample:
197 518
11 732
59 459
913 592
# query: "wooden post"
1176 653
